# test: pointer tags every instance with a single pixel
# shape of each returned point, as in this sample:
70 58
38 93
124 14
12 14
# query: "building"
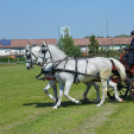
105 43
17 46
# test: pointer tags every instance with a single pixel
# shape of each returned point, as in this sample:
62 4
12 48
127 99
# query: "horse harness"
29 54
53 70
43 50
76 72
76 69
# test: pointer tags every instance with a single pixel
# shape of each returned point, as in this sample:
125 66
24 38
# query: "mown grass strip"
25 109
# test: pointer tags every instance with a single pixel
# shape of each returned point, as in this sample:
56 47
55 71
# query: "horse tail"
120 67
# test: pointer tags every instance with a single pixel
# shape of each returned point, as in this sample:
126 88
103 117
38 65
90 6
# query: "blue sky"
37 19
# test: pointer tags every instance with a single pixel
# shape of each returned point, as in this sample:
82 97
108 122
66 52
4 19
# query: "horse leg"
114 86
97 88
66 92
104 78
85 99
48 86
61 88
54 87
104 92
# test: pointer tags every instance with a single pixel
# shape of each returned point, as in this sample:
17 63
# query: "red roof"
103 41
77 42
18 43
24 42
81 41
114 41
39 41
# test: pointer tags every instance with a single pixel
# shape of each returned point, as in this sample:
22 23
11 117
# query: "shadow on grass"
128 99
63 104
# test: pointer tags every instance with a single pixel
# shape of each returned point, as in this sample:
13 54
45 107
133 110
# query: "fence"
15 54
10 60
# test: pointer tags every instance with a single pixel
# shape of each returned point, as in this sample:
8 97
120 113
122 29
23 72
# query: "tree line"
67 45
116 36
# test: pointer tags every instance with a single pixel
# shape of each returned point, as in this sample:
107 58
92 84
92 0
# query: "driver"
130 55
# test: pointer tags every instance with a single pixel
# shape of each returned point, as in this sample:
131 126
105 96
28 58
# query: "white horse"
31 56
72 70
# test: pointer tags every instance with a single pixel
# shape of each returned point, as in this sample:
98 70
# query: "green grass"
11 60
25 109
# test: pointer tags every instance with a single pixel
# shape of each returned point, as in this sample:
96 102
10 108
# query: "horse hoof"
121 100
78 102
97 101
86 100
99 105
54 104
55 107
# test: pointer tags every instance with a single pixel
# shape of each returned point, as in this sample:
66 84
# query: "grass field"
25 109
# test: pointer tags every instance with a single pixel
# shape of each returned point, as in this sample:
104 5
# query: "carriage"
123 87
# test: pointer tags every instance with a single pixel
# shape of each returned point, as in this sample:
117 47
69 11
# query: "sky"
40 19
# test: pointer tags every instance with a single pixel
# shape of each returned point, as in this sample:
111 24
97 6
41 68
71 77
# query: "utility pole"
107 26
107 23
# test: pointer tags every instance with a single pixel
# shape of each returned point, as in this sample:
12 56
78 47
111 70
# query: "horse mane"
57 49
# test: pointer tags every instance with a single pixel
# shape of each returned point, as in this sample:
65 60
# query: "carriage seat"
125 63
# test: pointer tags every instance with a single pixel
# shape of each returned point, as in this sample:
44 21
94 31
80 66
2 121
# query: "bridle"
44 51
29 56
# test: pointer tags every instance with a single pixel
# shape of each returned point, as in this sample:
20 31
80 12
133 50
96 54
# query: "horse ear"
44 44
27 43
27 46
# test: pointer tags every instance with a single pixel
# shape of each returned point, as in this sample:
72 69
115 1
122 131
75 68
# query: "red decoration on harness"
50 78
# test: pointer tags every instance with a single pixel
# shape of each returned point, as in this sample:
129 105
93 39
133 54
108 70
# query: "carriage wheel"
132 88
123 89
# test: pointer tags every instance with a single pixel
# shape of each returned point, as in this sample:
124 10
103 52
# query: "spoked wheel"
122 87
132 88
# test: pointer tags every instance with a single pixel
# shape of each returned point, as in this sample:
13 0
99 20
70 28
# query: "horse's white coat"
52 83
98 66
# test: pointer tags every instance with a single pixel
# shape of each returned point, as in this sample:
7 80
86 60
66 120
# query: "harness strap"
31 53
75 78
86 67
39 75
66 60
80 73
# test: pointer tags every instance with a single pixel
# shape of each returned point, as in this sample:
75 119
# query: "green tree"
87 36
66 31
99 36
122 35
93 45
102 50
66 44
76 51
109 36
